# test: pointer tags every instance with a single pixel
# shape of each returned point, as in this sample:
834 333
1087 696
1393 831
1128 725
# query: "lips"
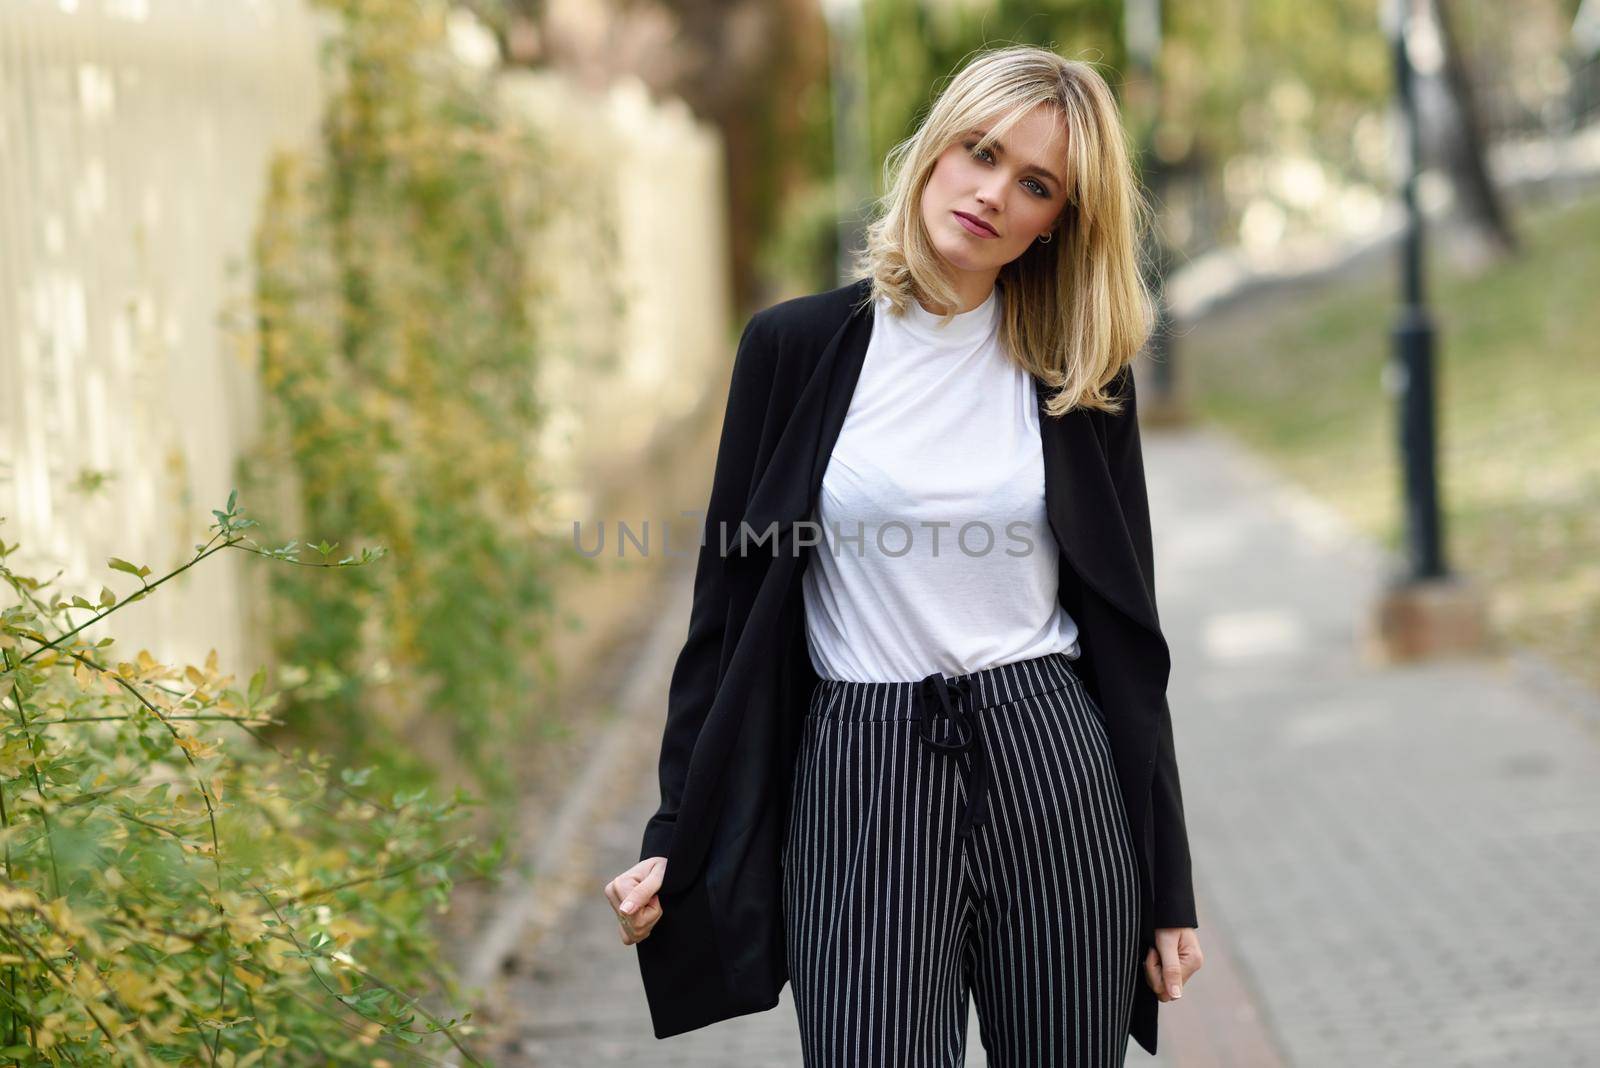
975 225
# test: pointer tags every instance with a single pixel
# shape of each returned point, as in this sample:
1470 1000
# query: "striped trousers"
960 836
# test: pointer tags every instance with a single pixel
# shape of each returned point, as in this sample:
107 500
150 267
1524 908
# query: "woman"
920 748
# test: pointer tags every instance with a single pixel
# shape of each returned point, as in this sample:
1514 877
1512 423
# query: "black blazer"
740 688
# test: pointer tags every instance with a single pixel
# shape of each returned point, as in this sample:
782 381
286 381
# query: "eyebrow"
998 147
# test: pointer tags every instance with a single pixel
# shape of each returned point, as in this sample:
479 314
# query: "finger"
1152 972
632 930
1191 955
653 876
617 889
643 918
637 930
1171 968
649 883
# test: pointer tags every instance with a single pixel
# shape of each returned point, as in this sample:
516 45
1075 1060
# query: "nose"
991 198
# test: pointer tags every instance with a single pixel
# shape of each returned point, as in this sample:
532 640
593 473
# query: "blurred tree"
759 72
915 46
755 69
1462 144
515 25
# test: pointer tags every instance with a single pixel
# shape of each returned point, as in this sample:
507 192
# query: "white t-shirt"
935 551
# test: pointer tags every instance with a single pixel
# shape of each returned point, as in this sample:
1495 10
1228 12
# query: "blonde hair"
1074 311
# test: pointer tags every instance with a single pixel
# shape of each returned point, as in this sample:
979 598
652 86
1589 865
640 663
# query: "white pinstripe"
891 921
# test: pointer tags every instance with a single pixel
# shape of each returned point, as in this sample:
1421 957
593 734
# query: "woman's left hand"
1178 958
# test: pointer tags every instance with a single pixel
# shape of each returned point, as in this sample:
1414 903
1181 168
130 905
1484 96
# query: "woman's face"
1014 187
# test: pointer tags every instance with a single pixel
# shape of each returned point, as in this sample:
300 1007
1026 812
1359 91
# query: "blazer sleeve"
1172 878
700 663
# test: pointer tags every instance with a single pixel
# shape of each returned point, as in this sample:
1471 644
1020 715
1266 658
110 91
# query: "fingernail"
627 906
1175 991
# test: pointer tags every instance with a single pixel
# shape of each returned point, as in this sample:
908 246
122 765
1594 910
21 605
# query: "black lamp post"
1425 610
1413 338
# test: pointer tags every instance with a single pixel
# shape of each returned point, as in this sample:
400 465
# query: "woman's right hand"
633 898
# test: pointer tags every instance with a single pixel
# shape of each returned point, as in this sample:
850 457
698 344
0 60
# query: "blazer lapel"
1085 515
849 357
789 486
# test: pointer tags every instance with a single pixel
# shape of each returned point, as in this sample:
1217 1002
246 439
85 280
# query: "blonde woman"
918 748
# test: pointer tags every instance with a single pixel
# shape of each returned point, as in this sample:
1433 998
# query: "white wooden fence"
134 137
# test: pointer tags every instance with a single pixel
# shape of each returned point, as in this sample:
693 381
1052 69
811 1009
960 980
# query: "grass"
1298 377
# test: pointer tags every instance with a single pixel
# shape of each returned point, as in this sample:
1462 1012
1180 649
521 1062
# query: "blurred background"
455 287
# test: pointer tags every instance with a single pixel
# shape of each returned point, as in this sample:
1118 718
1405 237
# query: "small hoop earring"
1047 238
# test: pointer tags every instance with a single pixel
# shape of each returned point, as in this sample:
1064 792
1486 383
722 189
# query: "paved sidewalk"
1405 859
1394 865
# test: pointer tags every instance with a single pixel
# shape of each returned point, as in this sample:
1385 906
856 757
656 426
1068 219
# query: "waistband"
1002 684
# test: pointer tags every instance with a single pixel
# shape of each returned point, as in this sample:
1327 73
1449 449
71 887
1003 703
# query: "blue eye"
1038 186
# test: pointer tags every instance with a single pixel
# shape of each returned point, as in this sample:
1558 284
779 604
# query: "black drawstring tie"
931 700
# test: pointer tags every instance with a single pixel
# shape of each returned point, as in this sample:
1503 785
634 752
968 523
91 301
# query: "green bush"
398 359
175 888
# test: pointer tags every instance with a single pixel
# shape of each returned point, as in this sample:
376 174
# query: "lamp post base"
1424 619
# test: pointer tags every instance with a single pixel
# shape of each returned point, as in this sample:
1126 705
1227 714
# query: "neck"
972 289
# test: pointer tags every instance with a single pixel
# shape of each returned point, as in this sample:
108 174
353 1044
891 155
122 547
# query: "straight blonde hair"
1074 311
